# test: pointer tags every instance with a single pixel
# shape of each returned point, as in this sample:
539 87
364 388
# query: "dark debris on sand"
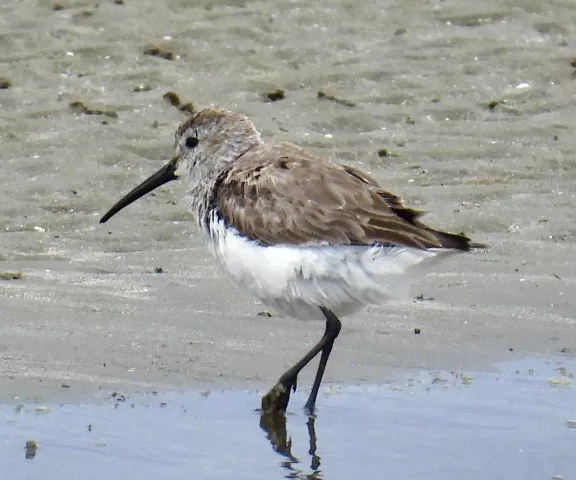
174 99
274 95
5 83
156 51
82 108
339 101
11 275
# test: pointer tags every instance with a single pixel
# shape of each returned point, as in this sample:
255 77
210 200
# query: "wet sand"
474 103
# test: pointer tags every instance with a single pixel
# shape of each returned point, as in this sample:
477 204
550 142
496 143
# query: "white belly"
298 280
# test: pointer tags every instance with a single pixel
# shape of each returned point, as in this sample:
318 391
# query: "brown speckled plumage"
281 194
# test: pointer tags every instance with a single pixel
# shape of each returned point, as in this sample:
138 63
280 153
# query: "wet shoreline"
521 418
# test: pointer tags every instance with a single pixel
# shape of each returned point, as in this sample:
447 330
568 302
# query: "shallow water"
514 424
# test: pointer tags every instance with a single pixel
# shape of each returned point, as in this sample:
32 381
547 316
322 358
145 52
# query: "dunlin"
311 239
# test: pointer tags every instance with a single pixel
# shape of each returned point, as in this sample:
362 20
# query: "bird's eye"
191 142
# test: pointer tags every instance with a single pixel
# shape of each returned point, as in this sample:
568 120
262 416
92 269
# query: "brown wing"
283 195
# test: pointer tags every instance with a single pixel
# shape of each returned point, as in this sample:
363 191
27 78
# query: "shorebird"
313 240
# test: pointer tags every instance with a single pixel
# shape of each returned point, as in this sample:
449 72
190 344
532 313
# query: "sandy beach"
464 109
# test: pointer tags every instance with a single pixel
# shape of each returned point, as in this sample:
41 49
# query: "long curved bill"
166 174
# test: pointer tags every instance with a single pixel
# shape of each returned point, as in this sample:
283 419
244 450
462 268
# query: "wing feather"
282 195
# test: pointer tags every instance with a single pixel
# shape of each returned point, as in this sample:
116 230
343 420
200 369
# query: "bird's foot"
276 400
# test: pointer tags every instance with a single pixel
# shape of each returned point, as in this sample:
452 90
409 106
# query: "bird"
312 239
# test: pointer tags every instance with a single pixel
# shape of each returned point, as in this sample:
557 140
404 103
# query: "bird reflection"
274 424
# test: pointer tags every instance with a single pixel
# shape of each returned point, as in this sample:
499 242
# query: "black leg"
333 327
276 400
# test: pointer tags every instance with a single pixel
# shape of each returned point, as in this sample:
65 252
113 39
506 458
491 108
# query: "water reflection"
519 422
274 424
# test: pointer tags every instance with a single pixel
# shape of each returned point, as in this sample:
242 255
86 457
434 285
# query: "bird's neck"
204 176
